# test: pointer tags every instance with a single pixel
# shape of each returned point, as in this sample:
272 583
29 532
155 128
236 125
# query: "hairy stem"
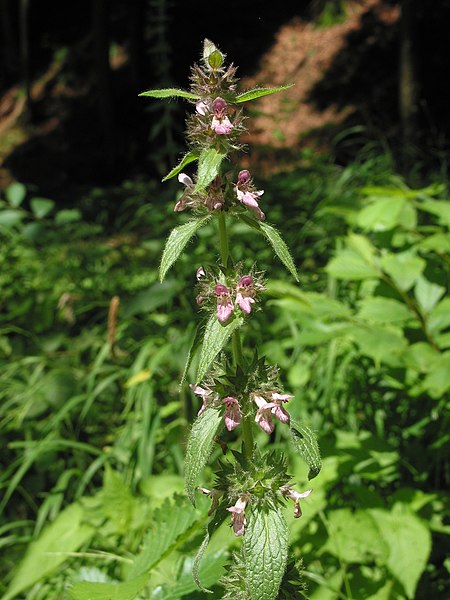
223 238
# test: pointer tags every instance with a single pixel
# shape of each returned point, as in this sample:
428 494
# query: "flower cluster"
270 403
232 415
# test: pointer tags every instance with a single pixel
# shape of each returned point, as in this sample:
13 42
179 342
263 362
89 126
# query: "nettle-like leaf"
177 241
305 443
170 93
197 570
186 160
276 241
265 552
259 93
209 163
214 340
199 447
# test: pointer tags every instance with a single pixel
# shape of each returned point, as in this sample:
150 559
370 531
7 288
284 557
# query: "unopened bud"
244 177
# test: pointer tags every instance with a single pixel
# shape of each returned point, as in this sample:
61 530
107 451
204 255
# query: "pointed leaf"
208 167
41 207
218 518
265 552
259 92
170 93
176 242
186 160
196 341
215 338
305 443
199 447
127 590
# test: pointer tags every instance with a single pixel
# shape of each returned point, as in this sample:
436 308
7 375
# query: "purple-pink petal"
232 415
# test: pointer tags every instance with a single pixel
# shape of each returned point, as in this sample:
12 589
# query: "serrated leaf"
199 447
127 590
259 93
170 525
170 93
186 160
305 443
176 243
66 534
276 241
215 337
265 552
41 207
208 167
404 268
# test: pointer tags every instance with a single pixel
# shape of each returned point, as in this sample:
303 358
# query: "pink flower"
190 187
200 273
202 107
232 415
220 124
246 194
215 495
238 519
225 305
296 497
245 292
204 395
267 409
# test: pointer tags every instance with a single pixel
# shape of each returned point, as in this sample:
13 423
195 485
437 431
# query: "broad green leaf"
438 242
10 217
440 208
428 294
150 299
215 337
305 443
439 317
15 193
437 382
421 356
199 447
67 215
259 93
404 268
378 309
409 543
276 241
383 344
170 525
265 552
349 264
362 246
66 534
127 590
170 93
176 243
186 160
209 163
41 207
354 537
382 214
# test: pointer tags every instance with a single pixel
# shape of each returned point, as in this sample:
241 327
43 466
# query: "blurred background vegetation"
354 160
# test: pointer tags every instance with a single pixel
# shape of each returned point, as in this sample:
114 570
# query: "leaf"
215 338
41 207
66 534
186 160
171 525
170 93
197 571
10 217
148 300
348 264
382 214
260 92
428 294
265 552
378 309
67 215
176 242
440 208
437 382
276 241
404 268
196 341
305 443
199 447
409 542
15 193
208 167
127 590
383 344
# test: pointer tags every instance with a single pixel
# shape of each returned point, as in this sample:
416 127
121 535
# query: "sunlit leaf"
170 93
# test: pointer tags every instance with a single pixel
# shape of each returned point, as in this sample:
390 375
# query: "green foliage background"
93 428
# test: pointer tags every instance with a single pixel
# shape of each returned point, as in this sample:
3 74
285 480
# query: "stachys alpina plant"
237 391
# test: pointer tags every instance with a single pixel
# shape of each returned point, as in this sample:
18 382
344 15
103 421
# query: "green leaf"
170 93
199 447
176 242
127 590
259 93
208 167
170 527
215 338
404 268
66 534
382 214
439 208
383 344
41 207
306 445
437 382
265 552
67 215
197 571
378 309
15 193
10 217
348 264
409 542
428 294
186 160
276 241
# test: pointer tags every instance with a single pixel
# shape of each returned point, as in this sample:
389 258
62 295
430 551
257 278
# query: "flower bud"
243 177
